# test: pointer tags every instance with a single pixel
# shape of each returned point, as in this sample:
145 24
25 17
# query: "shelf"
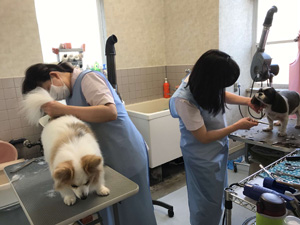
80 50
59 50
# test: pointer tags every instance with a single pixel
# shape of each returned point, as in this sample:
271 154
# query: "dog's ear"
90 163
64 172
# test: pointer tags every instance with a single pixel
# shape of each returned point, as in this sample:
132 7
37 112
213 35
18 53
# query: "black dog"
278 106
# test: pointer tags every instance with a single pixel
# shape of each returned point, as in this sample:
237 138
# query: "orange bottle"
166 89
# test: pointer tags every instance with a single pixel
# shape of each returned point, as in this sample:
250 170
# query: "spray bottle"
166 89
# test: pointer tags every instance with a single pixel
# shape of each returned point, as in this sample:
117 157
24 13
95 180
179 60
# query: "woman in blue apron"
200 103
122 145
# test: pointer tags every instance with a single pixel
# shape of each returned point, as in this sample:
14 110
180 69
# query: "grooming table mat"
257 136
43 205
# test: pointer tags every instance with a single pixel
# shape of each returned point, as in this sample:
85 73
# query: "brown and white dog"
278 106
71 151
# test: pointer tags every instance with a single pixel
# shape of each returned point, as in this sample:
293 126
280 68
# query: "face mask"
59 92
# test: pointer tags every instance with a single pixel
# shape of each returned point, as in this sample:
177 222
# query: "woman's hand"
246 123
54 109
206 137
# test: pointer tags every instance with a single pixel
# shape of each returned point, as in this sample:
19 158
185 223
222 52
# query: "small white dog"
71 151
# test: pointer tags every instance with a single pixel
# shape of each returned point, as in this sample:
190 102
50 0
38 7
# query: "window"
71 21
280 42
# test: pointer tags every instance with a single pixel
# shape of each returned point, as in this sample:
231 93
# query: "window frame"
101 31
268 43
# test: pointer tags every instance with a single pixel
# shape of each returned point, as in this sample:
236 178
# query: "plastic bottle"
166 89
104 70
96 66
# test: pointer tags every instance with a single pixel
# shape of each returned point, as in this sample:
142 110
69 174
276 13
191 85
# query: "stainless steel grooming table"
257 137
42 205
235 193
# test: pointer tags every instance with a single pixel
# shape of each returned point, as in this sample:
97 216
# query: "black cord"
224 216
240 105
262 115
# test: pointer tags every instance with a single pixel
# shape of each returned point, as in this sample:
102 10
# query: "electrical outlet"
235 87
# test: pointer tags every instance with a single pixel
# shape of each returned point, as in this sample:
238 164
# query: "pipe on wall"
110 53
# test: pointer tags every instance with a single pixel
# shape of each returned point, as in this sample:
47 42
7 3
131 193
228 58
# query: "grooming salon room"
162 112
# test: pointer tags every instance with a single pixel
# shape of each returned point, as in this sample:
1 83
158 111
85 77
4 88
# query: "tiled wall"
12 122
175 74
135 85
142 84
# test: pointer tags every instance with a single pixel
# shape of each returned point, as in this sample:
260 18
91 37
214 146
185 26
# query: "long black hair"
213 72
37 74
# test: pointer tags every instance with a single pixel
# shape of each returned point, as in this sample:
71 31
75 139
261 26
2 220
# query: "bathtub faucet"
188 71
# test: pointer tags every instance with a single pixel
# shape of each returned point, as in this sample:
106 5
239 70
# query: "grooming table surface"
257 136
42 205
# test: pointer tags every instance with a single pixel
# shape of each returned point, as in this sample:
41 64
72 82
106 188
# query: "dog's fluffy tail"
32 102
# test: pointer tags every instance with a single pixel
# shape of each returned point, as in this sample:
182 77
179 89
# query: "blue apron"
124 150
205 164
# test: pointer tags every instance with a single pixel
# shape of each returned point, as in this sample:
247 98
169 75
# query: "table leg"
247 148
116 214
228 206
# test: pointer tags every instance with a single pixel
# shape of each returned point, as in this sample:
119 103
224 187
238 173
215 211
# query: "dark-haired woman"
91 98
200 103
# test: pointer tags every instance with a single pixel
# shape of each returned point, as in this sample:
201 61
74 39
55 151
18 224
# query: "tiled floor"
173 191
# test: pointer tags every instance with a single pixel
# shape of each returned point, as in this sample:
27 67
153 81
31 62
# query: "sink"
160 131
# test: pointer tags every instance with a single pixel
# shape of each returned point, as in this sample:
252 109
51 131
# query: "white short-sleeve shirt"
189 113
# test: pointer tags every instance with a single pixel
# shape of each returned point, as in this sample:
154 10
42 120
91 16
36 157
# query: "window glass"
69 21
283 55
285 27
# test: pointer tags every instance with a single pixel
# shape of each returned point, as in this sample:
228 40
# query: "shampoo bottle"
166 89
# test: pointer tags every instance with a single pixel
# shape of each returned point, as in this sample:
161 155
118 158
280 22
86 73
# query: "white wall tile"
2 105
8 83
10 93
4 126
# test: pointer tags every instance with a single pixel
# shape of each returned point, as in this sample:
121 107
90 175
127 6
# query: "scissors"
291 167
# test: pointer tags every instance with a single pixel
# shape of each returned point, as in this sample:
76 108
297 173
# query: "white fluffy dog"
71 150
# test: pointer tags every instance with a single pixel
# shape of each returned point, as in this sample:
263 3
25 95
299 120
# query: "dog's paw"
281 134
268 129
277 123
69 200
103 191
297 127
